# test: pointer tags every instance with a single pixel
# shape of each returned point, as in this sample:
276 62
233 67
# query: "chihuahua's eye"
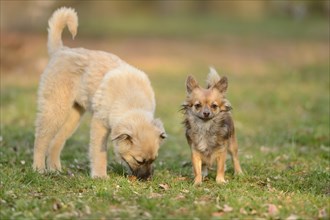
214 106
197 106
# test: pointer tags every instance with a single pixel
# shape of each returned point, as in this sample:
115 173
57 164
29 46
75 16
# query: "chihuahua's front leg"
221 160
233 150
196 158
98 148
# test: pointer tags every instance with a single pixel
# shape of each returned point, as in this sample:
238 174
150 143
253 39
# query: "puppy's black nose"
206 114
144 172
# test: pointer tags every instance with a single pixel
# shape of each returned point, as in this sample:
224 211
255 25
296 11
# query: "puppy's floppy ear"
191 84
222 85
121 137
120 133
159 124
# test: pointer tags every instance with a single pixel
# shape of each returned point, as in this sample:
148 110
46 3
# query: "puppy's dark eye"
163 135
197 105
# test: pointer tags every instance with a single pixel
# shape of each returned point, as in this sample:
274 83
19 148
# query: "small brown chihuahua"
209 126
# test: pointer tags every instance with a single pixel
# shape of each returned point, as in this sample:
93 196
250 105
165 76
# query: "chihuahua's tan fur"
118 95
209 126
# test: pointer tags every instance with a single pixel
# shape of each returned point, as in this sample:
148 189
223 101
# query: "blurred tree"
33 14
24 15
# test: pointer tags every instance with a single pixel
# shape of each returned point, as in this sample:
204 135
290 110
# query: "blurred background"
275 54
168 30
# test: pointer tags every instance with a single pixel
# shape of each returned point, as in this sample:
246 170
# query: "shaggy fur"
209 126
118 95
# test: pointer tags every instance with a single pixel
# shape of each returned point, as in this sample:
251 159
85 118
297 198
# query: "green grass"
282 120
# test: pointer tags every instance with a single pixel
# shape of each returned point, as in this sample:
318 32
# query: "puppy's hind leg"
233 151
57 144
47 125
54 105
41 143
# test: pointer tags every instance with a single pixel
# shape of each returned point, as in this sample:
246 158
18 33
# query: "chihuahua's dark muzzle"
206 114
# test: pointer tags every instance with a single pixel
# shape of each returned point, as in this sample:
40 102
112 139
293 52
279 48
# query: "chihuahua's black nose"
206 114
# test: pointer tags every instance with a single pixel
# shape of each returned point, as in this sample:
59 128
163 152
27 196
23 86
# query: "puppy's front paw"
100 176
221 180
54 167
39 168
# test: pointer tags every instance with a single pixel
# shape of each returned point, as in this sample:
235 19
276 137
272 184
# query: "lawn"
278 74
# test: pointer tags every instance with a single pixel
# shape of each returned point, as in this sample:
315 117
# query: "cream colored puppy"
118 95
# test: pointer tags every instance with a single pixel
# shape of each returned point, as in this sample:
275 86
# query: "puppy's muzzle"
143 172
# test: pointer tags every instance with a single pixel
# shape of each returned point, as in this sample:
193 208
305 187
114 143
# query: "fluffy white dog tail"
60 18
212 78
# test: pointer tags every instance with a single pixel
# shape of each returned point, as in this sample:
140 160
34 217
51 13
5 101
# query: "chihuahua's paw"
197 183
238 170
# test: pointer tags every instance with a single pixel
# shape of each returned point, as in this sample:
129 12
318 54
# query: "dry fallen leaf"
265 149
87 210
205 198
132 178
181 211
227 208
180 196
272 209
154 195
323 214
113 207
218 214
164 186
147 214
242 211
57 206
200 203
181 178
253 212
292 217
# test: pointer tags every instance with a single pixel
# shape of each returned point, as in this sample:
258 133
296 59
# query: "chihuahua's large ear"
222 85
159 124
191 84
